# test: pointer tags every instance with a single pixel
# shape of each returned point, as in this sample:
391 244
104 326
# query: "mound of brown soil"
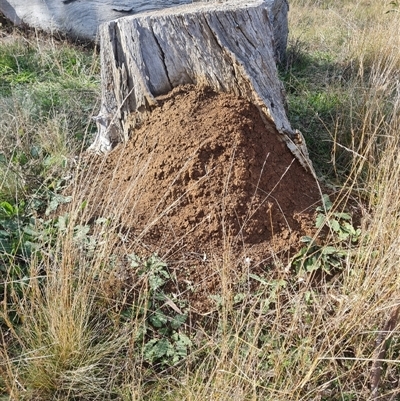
203 171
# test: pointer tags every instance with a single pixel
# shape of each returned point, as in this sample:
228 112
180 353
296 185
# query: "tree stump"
226 46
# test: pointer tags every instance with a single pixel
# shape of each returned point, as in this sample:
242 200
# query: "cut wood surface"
226 46
81 19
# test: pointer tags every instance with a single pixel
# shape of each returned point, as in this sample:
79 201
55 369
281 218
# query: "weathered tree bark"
81 19
226 46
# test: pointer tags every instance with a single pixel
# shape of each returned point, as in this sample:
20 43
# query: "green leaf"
327 202
7 209
158 319
62 223
334 262
308 296
178 321
357 234
57 201
156 349
181 344
329 250
303 251
27 248
306 239
343 216
134 260
320 221
334 224
155 282
349 228
6 246
159 296
155 263
257 278
343 235
31 231
239 297
218 299
35 151
81 230
312 264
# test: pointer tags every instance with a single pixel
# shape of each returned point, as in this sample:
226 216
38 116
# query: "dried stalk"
381 348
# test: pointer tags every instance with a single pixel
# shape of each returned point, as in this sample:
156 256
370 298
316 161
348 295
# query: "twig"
380 352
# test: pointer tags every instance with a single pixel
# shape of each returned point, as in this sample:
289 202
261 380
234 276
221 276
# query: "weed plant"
80 322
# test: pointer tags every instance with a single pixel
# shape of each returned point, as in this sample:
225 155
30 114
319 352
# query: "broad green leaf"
6 246
31 232
327 202
134 260
62 222
156 349
158 319
307 240
312 264
334 224
239 298
343 235
81 231
349 228
320 221
343 216
181 344
334 262
7 209
156 282
329 250
4 234
57 201
178 321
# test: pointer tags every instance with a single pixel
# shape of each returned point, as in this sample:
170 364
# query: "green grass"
78 322
47 93
328 77
313 102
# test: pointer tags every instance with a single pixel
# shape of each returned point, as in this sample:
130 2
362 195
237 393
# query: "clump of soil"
202 172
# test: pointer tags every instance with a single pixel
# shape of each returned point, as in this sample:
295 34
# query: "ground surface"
203 178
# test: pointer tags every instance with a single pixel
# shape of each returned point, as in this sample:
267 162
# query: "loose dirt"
204 180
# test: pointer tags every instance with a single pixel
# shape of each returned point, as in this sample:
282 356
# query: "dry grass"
295 339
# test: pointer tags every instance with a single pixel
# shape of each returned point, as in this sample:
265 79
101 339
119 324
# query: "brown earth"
205 177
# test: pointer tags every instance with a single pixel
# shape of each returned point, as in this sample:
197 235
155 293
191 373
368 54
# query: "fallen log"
226 46
81 19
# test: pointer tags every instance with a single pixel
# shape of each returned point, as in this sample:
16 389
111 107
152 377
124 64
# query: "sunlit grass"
48 90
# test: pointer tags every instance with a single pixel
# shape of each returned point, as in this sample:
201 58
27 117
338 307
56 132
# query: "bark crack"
212 32
224 51
239 28
162 55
